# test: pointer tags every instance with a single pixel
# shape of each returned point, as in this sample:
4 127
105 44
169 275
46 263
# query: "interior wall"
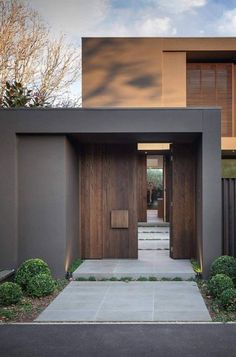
108 182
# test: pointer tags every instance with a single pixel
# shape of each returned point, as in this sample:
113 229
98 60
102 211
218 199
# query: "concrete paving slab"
133 301
155 263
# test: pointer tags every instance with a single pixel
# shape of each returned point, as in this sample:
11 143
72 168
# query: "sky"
88 18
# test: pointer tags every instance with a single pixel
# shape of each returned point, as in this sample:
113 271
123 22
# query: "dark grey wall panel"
72 204
211 189
122 120
8 198
42 200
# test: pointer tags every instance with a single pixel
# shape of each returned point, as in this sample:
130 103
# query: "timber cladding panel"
210 84
108 184
183 211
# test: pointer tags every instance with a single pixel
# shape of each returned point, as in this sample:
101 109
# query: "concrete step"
153 224
151 263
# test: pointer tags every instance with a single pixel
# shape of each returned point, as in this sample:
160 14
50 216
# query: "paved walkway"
133 301
153 260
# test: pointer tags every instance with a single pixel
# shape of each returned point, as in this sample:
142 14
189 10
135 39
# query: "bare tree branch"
28 54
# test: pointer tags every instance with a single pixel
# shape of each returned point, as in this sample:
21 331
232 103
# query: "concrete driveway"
133 301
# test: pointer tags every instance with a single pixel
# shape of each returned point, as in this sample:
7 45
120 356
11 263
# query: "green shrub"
228 299
81 278
41 285
218 283
10 293
177 278
142 278
224 265
29 269
75 264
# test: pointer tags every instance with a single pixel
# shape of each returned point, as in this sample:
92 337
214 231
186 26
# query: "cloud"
72 16
227 24
179 6
156 26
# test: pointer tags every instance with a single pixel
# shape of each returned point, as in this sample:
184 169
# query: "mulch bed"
29 308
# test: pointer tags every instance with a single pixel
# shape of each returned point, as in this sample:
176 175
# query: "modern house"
74 182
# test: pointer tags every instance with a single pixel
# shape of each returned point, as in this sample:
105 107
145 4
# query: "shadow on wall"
112 75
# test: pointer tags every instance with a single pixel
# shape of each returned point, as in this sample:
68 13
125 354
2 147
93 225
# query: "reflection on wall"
229 168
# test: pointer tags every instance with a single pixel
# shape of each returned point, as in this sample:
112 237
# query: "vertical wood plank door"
108 183
183 221
91 195
120 193
142 187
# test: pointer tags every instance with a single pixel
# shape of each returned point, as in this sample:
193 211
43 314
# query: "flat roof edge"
112 108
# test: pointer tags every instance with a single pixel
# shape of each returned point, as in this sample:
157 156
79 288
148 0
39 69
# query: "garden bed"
29 308
218 314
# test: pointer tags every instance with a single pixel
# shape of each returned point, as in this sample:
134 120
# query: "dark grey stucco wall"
211 189
47 171
8 197
72 204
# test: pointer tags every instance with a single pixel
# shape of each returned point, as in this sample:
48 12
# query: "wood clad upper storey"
162 72
210 84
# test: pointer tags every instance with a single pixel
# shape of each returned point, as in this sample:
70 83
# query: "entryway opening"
154 231
124 229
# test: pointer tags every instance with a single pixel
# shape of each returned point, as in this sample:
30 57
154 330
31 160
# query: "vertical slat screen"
210 84
229 216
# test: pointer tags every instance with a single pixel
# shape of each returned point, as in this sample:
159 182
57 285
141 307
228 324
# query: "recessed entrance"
121 186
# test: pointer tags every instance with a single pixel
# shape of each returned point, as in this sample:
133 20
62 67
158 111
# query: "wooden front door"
183 202
108 201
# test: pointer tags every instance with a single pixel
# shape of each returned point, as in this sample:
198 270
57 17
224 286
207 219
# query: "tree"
28 54
17 96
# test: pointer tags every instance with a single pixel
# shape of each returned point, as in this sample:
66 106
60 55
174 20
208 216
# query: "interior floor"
152 216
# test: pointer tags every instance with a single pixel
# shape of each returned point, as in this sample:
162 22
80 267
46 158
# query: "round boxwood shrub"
218 283
227 299
10 293
29 269
40 285
224 265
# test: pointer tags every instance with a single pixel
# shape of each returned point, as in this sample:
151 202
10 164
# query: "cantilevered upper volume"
163 72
